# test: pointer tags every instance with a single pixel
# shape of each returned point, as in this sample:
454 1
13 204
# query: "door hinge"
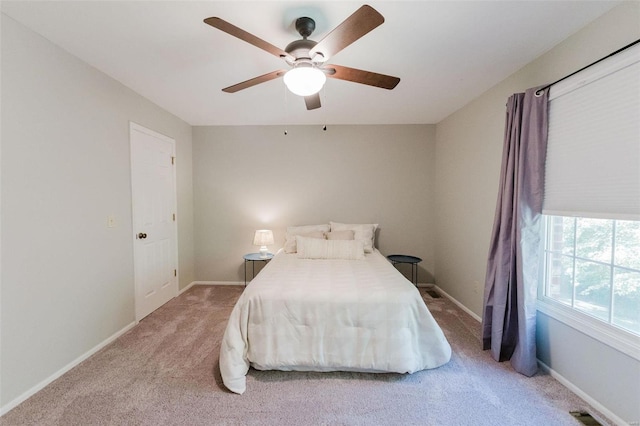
175 272
174 217
173 160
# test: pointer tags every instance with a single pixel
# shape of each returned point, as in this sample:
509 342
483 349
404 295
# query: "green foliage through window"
593 266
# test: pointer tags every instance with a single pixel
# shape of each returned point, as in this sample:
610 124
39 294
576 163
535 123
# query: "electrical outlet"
476 287
111 221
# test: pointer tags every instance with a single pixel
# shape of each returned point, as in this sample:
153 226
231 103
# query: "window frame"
618 338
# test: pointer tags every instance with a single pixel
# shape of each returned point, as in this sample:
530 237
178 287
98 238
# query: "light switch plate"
111 221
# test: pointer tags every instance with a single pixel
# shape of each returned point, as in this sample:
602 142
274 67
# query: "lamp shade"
304 81
263 237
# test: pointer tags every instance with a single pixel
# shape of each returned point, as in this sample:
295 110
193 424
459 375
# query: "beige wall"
468 157
469 150
253 177
67 279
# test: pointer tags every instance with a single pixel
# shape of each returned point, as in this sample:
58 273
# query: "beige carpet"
165 372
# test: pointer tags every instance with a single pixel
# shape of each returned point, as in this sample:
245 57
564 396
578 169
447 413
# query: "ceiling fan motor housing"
299 49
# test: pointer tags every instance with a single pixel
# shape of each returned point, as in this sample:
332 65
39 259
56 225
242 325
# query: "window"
593 266
590 279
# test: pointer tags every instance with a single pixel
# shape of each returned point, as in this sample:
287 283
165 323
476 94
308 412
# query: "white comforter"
330 315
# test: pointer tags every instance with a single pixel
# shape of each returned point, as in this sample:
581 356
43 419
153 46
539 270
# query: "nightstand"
403 258
253 258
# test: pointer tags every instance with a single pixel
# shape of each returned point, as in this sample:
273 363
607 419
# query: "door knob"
142 235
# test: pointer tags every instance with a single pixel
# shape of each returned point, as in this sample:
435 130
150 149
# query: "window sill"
621 340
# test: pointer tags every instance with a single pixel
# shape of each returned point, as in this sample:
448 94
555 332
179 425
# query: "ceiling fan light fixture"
304 80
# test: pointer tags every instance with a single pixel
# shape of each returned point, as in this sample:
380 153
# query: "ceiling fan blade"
351 29
363 77
312 101
256 80
231 29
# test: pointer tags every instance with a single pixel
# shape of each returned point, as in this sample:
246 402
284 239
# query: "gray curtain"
509 312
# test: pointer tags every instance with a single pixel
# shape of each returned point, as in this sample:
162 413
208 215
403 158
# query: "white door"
154 226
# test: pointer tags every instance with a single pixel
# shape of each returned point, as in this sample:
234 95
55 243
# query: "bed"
330 312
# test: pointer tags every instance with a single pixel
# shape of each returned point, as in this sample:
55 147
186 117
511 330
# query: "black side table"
403 258
253 258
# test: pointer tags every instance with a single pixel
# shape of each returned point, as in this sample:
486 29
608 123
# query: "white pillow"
363 231
314 248
347 234
307 230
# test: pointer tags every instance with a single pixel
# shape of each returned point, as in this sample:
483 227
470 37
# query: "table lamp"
263 238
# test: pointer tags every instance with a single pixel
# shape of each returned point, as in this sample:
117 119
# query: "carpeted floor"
165 372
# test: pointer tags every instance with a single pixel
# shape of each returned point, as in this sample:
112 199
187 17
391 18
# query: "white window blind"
593 154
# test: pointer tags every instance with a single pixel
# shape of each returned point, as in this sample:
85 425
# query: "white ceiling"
445 52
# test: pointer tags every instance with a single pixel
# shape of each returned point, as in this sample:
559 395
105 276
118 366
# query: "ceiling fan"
307 58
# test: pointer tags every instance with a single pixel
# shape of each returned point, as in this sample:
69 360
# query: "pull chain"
286 108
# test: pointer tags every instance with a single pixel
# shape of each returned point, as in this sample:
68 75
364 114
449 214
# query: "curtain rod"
539 91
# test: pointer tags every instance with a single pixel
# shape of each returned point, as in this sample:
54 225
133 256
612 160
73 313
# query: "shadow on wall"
424 276
251 268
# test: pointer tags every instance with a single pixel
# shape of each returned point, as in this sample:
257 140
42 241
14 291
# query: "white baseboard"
24 396
566 383
186 288
593 402
210 283
218 283
458 304
29 393
421 285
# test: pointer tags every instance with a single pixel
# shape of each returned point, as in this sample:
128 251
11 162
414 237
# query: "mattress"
330 315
